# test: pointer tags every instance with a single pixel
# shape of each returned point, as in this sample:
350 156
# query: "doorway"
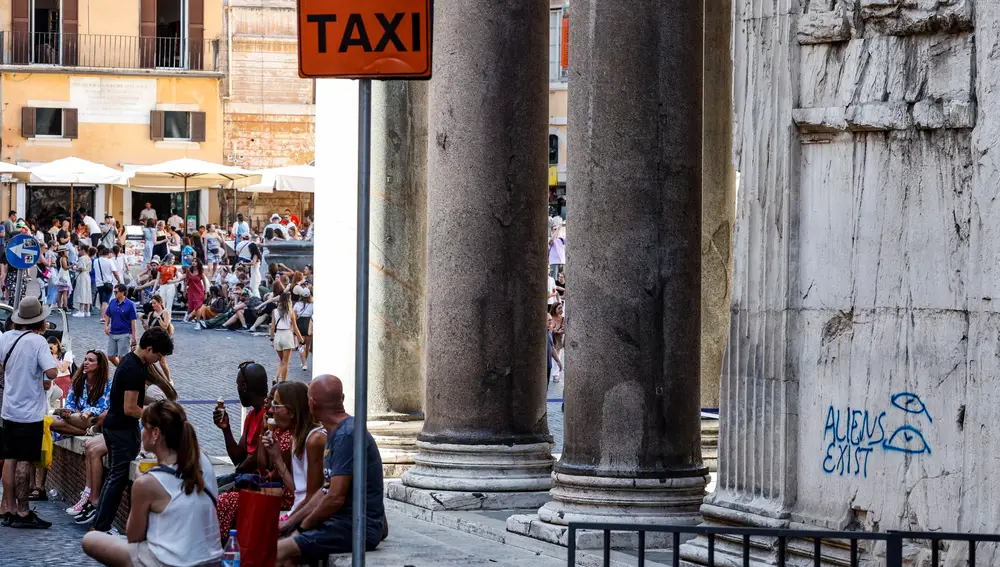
46 202
171 20
46 28
161 204
164 204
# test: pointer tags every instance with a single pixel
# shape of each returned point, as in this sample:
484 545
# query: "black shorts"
303 324
22 441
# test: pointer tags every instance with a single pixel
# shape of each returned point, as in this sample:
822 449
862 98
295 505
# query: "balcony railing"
108 51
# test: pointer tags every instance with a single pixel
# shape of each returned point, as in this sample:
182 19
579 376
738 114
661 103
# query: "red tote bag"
257 528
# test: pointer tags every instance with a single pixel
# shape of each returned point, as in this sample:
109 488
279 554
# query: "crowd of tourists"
298 437
556 301
234 288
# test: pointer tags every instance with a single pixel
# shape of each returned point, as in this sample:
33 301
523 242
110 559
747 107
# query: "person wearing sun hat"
28 362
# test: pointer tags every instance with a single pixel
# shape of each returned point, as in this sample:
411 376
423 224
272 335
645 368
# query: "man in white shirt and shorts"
27 362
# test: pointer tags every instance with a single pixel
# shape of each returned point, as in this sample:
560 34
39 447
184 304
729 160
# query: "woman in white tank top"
291 413
173 521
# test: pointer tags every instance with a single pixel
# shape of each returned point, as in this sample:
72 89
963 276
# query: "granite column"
485 428
632 445
398 269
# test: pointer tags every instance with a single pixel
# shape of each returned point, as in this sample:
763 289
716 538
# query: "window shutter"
155 125
70 27
147 34
27 122
21 29
70 127
197 126
196 34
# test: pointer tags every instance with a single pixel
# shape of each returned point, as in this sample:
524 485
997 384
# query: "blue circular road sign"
23 251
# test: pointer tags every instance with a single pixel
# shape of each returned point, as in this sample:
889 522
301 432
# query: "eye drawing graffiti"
907 439
911 403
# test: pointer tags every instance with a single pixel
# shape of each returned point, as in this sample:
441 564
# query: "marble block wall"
864 351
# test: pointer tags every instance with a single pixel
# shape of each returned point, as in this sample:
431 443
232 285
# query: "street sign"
365 39
22 252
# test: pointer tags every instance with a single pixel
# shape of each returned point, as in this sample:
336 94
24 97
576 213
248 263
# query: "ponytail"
189 460
178 435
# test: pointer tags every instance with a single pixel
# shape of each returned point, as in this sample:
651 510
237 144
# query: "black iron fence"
108 51
778 540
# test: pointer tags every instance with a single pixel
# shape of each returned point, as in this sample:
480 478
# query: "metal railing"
108 51
777 540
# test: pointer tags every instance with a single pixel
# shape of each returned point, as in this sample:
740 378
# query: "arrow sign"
22 252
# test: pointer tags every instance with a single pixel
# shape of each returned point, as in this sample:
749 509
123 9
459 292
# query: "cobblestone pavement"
203 367
58 546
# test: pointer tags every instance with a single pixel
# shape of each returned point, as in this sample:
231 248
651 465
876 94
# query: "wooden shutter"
27 122
197 126
196 35
147 34
20 19
71 29
71 128
155 125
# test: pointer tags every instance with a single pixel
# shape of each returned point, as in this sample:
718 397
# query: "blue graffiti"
907 439
911 403
852 435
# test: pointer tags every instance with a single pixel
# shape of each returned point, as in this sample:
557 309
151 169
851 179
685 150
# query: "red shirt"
167 274
253 425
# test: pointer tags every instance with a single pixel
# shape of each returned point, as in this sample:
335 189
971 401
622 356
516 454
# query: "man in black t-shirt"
121 424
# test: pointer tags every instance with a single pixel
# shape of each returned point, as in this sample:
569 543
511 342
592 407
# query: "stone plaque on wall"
110 100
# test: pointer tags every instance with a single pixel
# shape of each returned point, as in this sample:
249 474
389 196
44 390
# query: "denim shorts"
332 536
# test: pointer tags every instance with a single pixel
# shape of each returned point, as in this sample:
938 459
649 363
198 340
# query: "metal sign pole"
358 483
18 287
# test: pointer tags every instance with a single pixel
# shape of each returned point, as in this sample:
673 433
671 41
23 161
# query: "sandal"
37 495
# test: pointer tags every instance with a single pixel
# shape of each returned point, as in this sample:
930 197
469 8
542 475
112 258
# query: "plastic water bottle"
53 494
231 554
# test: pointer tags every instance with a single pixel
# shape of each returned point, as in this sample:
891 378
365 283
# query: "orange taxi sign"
365 39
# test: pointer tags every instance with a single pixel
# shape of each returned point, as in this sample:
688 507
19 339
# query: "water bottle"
53 494
231 554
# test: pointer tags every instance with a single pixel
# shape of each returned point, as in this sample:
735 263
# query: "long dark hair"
295 398
178 435
98 384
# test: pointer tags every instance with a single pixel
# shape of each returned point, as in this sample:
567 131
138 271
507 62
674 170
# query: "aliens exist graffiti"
852 435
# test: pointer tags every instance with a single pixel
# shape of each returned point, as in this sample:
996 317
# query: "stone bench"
69 468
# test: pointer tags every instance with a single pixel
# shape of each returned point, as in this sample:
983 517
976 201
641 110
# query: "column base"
654 501
450 500
729 550
397 443
481 468
710 443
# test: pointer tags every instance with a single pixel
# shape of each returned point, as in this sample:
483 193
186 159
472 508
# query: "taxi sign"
22 252
365 39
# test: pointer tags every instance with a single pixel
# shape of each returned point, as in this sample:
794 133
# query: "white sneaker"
78 507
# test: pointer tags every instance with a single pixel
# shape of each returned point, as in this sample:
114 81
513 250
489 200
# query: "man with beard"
252 386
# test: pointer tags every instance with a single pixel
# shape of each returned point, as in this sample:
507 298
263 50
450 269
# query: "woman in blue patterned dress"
88 399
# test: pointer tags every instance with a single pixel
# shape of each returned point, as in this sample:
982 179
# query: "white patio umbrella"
298 178
6 171
189 173
11 168
72 171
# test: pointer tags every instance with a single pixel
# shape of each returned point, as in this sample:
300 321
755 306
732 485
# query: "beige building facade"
269 112
122 84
